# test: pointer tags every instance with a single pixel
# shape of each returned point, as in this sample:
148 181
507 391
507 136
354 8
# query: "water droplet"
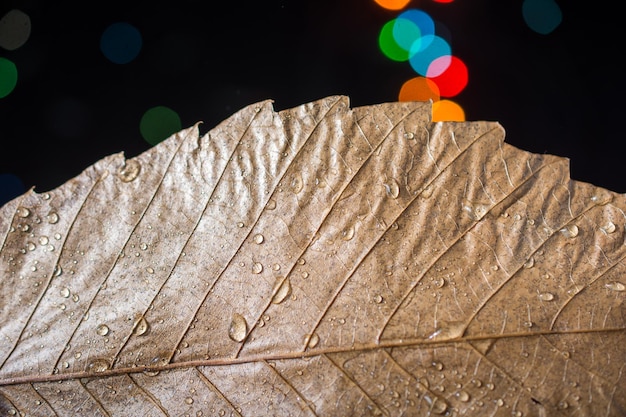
150 270
427 192
409 135
276 267
296 183
347 233
301 261
615 286
65 292
474 210
546 296
378 298
258 238
517 413
438 365
437 405
240 224
98 365
52 217
141 327
271 205
65 365
448 330
311 340
78 355
283 291
392 188
129 170
188 400
23 212
529 263
257 268
439 282
30 246
148 372
499 402
62 306
102 329
238 328
570 231
608 227
463 396
75 298
43 240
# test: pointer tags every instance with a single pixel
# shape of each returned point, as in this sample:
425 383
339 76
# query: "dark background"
558 93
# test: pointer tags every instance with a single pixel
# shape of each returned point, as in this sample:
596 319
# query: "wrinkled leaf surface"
317 261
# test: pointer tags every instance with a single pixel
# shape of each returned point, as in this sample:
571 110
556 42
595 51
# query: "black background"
559 93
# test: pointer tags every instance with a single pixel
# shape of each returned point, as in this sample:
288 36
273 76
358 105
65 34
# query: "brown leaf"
321 261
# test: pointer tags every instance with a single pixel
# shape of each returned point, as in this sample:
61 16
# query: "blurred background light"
419 89
15 29
121 42
159 123
393 4
447 110
454 79
542 16
8 77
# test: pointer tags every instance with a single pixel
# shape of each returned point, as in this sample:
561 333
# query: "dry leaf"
321 261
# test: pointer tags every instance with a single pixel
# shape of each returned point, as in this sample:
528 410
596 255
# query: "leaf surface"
316 261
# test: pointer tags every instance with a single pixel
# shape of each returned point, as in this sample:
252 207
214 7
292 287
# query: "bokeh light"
159 123
419 89
121 43
447 111
454 79
542 16
424 52
393 4
405 32
10 187
8 77
388 45
15 29
421 19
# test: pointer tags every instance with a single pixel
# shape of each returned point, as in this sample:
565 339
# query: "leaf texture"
317 261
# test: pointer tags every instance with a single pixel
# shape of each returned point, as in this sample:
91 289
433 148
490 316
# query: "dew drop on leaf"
238 328
312 340
529 263
52 217
437 404
257 268
188 400
129 171
570 231
98 365
378 298
296 183
258 238
608 227
347 233
65 292
282 292
546 296
23 212
615 286
141 327
102 329
271 205
463 396
392 188
448 330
